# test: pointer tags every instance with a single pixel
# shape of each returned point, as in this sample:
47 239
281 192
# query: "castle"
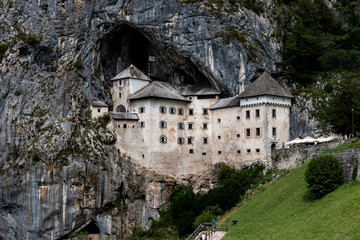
185 130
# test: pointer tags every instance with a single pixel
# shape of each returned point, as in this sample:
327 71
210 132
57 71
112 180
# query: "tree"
323 175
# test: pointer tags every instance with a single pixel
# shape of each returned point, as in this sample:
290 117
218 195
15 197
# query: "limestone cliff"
59 170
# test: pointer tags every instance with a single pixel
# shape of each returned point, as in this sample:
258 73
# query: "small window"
180 111
205 140
274 132
191 151
248 114
181 126
133 126
204 153
219 120
99 110
219 152
190 140
238 135
274 113
181 140
124 126
143 156
248 150
141 109
238 117
219 137
162 109
205 126
172 110
257 113
257 132
119 95
162 124
205 111
190 126
163 139
191 111
142 124
257 150
238 151
120 83
119 126
248 132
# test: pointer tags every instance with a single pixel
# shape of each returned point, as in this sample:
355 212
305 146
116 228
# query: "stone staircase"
217 236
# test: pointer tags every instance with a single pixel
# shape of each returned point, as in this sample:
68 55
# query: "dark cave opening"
125 45
91 228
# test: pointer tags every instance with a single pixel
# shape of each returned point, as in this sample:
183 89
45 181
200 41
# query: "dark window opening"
219 137
190 140
204 153
257 132
205 140
205 111
124 126
274 113
257 113
172 110
219 152
257 150
238 151
205 126
98 109
248 150
238 117
191 151
248 114
191 111
274 132
248 132
190 126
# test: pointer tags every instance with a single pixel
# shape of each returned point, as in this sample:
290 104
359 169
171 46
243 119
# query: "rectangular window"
120 95
190 140
142 124
162 109
181 126
172 110
191 111
163 139
162 124
274 132
141 109
118 126
205 140
238 151
204 153
191 151
219 120
98 109
190 126
248 114
248 132
238 117
124 126
258 132
205 111
120 83
248 150
180 111
257 113
238 135
257 150
219 152
181 140
205 126
219 137
274 113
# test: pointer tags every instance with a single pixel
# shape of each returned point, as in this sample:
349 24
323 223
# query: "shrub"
207 215
323 175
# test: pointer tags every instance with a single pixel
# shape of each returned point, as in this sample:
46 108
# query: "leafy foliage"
323 175
316 40
339 102
211 212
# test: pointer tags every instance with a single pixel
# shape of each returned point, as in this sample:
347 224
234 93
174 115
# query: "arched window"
120 108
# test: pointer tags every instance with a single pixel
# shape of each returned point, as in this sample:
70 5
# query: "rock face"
59 170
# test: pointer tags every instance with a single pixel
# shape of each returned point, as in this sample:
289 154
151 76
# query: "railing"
207 229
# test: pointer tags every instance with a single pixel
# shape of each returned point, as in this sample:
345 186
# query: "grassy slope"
282 211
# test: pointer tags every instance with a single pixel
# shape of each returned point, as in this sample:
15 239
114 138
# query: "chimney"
132 71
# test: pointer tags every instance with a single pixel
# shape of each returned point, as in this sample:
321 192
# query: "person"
203 236
214 224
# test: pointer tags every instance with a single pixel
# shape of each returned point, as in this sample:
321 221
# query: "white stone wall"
98 111
265 99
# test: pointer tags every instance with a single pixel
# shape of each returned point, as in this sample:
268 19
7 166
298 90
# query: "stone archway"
120 108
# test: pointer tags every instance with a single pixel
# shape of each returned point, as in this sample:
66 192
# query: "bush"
211 212
323 175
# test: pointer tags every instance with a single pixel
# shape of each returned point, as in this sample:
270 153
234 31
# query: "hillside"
283 211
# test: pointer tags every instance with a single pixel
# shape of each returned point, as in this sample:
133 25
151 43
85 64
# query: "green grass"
283 211
340 148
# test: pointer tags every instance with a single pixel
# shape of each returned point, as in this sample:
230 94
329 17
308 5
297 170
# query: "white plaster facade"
182 135
98 109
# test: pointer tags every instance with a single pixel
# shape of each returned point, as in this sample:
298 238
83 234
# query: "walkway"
218 235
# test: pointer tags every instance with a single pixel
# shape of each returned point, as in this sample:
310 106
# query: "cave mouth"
125 45
91 228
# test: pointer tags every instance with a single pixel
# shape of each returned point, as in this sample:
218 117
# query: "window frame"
247 114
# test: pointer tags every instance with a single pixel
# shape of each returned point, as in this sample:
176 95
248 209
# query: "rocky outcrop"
59 169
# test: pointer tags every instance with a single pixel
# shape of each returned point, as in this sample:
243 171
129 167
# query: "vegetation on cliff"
285 211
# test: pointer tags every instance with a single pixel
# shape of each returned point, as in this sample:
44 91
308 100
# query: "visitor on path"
203 236
214 224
